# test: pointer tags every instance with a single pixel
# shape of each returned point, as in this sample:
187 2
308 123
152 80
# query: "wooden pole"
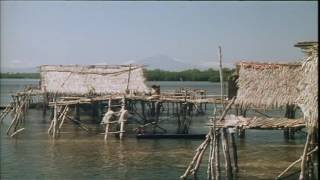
108 122
212 154
198 162
55 120
127 89
303 158
221 75
200 151
143 111
13 122
195 159
16 132
217 155
77 111
294 163
123 118
65 112
178 111
234 151
6 111
210 168
226 153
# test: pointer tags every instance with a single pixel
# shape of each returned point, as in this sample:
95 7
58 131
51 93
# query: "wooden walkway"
259 122
162 98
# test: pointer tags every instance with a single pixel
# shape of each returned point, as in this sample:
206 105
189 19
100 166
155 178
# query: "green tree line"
187 75
155 75
20 75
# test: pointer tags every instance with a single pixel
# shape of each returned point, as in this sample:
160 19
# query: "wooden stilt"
13 122
121 129
217 155
226 153
63 117
77 112
303 159
54 121
234 152
242 133
107 121
106 131
294 163
178 105
143 112
45 103
16 132
199 153
123 118
6 111
210 169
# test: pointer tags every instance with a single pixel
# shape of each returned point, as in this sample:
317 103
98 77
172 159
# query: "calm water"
78 155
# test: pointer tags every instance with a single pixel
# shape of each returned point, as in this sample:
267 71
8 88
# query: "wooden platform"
87 100
260 122
171 136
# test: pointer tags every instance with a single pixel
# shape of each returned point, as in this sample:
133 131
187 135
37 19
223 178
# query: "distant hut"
97 79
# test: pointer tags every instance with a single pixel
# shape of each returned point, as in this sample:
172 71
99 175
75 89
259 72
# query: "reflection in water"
79 155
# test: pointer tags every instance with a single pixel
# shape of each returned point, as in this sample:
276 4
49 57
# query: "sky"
101 32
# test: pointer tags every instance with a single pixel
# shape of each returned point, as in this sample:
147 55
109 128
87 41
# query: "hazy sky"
35 33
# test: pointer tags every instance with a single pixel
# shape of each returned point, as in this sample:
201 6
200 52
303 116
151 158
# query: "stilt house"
92 80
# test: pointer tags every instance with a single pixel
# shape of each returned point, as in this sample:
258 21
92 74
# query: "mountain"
164 62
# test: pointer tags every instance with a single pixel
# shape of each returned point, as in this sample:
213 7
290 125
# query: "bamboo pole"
50 127
123 118
129 74
195 158
226 153
200 150
221 75
295 162
303 158
217 155
211 155
16 132
234 151
107 123
198 162
54 120
13 122
63 116
6 111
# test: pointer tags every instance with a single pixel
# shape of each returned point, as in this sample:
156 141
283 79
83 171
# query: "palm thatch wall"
266 85
308 85
99 79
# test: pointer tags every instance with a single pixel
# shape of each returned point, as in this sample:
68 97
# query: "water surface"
263 154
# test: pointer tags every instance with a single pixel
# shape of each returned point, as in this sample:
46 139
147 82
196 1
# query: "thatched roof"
267 85
308 85
98 79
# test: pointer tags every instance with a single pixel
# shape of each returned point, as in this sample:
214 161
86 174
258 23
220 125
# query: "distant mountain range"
162 62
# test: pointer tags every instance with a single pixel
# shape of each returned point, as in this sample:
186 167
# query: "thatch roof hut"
308 85
267 85
275 85
95 79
